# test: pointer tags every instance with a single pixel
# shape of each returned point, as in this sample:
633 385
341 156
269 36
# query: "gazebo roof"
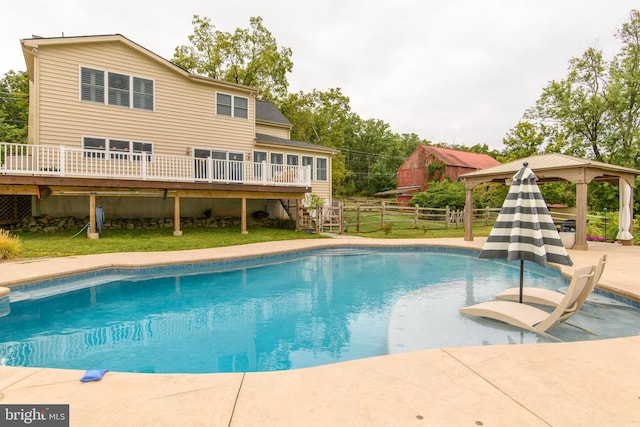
554 167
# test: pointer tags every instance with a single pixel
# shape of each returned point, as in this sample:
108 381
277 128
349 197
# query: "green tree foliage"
523 140
559 192
250 57
373 154
441 194
571 114
491 195
318 117
14 107
622 96
321 118
595 111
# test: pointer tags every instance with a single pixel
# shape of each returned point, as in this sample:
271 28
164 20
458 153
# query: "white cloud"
454 71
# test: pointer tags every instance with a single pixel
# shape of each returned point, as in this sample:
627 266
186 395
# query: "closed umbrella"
524 229
624 222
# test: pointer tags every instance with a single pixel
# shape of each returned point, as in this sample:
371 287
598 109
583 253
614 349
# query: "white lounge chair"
548 297
535 319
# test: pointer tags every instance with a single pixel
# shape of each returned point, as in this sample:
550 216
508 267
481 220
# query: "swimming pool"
271 313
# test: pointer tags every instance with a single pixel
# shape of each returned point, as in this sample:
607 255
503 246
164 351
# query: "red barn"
429 163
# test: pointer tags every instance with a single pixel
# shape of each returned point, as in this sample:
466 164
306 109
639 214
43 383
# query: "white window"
258 158
116 89
292 160
143 93
97 145
232 106
92 85
119 89
227 166
116 149
321 169
240 107
308 161
277 168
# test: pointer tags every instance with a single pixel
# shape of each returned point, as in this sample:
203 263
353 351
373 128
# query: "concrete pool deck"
564 384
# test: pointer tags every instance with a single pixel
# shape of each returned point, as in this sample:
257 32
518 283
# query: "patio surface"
591 383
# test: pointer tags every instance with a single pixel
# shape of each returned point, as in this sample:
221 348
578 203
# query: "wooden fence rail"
362 218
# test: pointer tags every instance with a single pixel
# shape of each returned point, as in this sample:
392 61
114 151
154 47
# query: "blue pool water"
272 313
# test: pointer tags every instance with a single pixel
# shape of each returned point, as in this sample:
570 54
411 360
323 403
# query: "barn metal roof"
461 158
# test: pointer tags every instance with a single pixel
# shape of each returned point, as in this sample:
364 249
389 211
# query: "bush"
10 246
441 195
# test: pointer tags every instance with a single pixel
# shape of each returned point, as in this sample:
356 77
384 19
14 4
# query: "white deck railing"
54 160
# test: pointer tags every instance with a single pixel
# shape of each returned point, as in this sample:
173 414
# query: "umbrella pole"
521 278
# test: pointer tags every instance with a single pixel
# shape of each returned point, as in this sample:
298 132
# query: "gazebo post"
581 216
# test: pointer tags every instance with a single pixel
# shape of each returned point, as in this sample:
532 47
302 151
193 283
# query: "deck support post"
176 216
243 217
93 234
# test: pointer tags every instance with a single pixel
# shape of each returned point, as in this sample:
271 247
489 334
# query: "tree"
523 140
373 155
571 113
249 57
14 107
595 111
321 118
622 95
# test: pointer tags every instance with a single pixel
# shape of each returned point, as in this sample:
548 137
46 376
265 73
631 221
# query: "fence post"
341 217
358 218
382 216
486 221
447 214
415 218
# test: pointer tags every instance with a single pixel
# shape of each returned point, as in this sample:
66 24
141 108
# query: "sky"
454 71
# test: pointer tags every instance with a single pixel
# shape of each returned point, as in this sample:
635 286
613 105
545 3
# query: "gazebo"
555 168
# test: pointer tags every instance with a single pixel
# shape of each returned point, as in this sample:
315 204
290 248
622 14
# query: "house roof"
461 158
274 140
267 112
30 49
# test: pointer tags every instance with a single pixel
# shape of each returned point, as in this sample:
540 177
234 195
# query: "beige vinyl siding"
183 117
278 132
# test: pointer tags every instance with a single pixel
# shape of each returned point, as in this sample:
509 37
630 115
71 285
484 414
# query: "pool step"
47 291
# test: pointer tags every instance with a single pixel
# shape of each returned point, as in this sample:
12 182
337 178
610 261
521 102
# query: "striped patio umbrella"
524 229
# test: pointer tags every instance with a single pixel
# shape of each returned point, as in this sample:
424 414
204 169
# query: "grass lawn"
40 244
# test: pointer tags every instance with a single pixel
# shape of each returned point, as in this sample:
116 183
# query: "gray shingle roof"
268 139
267 112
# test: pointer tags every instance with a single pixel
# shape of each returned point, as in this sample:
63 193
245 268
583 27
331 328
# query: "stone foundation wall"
47 223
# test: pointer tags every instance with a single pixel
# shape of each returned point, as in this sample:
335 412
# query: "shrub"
387 227
441 195
10 246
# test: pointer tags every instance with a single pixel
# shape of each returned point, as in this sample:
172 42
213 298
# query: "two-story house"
113 124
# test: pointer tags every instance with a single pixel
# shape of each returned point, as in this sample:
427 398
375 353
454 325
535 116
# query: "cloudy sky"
454 71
